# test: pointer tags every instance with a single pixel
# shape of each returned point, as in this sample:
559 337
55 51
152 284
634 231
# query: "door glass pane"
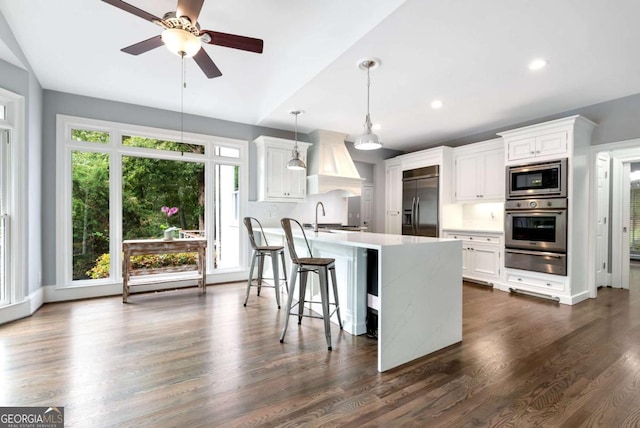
90 214
226 213
158 194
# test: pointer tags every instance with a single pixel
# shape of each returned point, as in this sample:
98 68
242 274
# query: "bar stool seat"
302 266
259 253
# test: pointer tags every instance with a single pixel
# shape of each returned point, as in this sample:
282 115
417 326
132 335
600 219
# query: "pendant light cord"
295 148
184 86
368 89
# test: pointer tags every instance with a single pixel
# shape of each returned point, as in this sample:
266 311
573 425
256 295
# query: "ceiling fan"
182 35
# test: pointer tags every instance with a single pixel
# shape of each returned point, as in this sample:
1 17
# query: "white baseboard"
52 293
22 309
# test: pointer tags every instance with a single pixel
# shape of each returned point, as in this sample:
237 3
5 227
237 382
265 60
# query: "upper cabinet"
553 144
277 183
479 172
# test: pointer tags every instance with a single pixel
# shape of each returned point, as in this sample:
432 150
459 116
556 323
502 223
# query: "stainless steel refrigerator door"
427 194
408 207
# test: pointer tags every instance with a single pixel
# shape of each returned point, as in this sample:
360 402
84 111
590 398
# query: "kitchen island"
419 298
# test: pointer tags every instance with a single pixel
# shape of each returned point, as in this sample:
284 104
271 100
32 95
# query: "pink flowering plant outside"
169 212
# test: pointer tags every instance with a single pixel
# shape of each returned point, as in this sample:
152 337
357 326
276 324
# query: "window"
5 178
129 182
634 217
13 193
89 210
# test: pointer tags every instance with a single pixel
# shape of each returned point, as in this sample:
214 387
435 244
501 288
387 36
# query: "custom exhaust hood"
329 165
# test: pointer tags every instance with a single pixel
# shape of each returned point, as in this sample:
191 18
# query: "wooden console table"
137 247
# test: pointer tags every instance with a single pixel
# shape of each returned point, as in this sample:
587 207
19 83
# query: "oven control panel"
527 204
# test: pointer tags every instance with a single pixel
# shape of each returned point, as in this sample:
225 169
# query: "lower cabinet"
539 284
481 255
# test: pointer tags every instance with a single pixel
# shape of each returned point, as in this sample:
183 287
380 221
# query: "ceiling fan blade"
233 41
189 8
144 46
205 62
133 10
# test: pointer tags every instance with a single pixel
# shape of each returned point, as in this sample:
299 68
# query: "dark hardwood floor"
179 359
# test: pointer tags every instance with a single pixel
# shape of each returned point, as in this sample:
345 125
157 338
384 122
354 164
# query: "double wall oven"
536 217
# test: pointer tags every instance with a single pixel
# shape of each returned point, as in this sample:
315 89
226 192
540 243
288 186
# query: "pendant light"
368 140
296 163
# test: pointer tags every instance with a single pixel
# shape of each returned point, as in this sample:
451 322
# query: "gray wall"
618 120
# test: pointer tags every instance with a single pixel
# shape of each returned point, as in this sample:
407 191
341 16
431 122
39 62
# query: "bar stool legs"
258 256
323 273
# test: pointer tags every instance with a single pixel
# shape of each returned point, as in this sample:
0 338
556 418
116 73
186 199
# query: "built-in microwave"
537 180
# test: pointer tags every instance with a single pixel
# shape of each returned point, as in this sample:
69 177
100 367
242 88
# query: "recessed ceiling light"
436 104
538 64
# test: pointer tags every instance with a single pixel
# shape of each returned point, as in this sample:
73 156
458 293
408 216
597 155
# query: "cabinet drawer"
460 236
548 284
483 239
487 239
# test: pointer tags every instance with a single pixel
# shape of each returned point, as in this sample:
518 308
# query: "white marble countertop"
472 230
361 239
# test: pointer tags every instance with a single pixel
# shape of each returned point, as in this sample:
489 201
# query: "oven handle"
537 212
536 253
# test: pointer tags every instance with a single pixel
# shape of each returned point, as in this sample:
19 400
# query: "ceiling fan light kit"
368 140
182 35
181 42
296 163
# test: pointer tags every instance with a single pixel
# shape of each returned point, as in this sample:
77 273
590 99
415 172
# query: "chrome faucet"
319 204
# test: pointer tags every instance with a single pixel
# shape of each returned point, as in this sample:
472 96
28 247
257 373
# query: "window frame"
15 199
116 150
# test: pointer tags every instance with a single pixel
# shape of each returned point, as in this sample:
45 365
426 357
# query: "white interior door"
624 243
602 226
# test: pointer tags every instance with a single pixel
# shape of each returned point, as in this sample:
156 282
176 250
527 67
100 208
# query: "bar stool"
259 253
302 266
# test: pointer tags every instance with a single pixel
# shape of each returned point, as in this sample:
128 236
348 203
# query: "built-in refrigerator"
420 201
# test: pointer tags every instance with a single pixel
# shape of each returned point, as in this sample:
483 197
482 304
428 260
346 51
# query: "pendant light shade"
296 163
368 140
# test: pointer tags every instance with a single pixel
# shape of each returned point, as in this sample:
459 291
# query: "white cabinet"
393 197
552 144
479 172
481 255
569 138
275 181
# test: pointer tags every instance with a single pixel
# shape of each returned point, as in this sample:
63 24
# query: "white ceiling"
471 54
